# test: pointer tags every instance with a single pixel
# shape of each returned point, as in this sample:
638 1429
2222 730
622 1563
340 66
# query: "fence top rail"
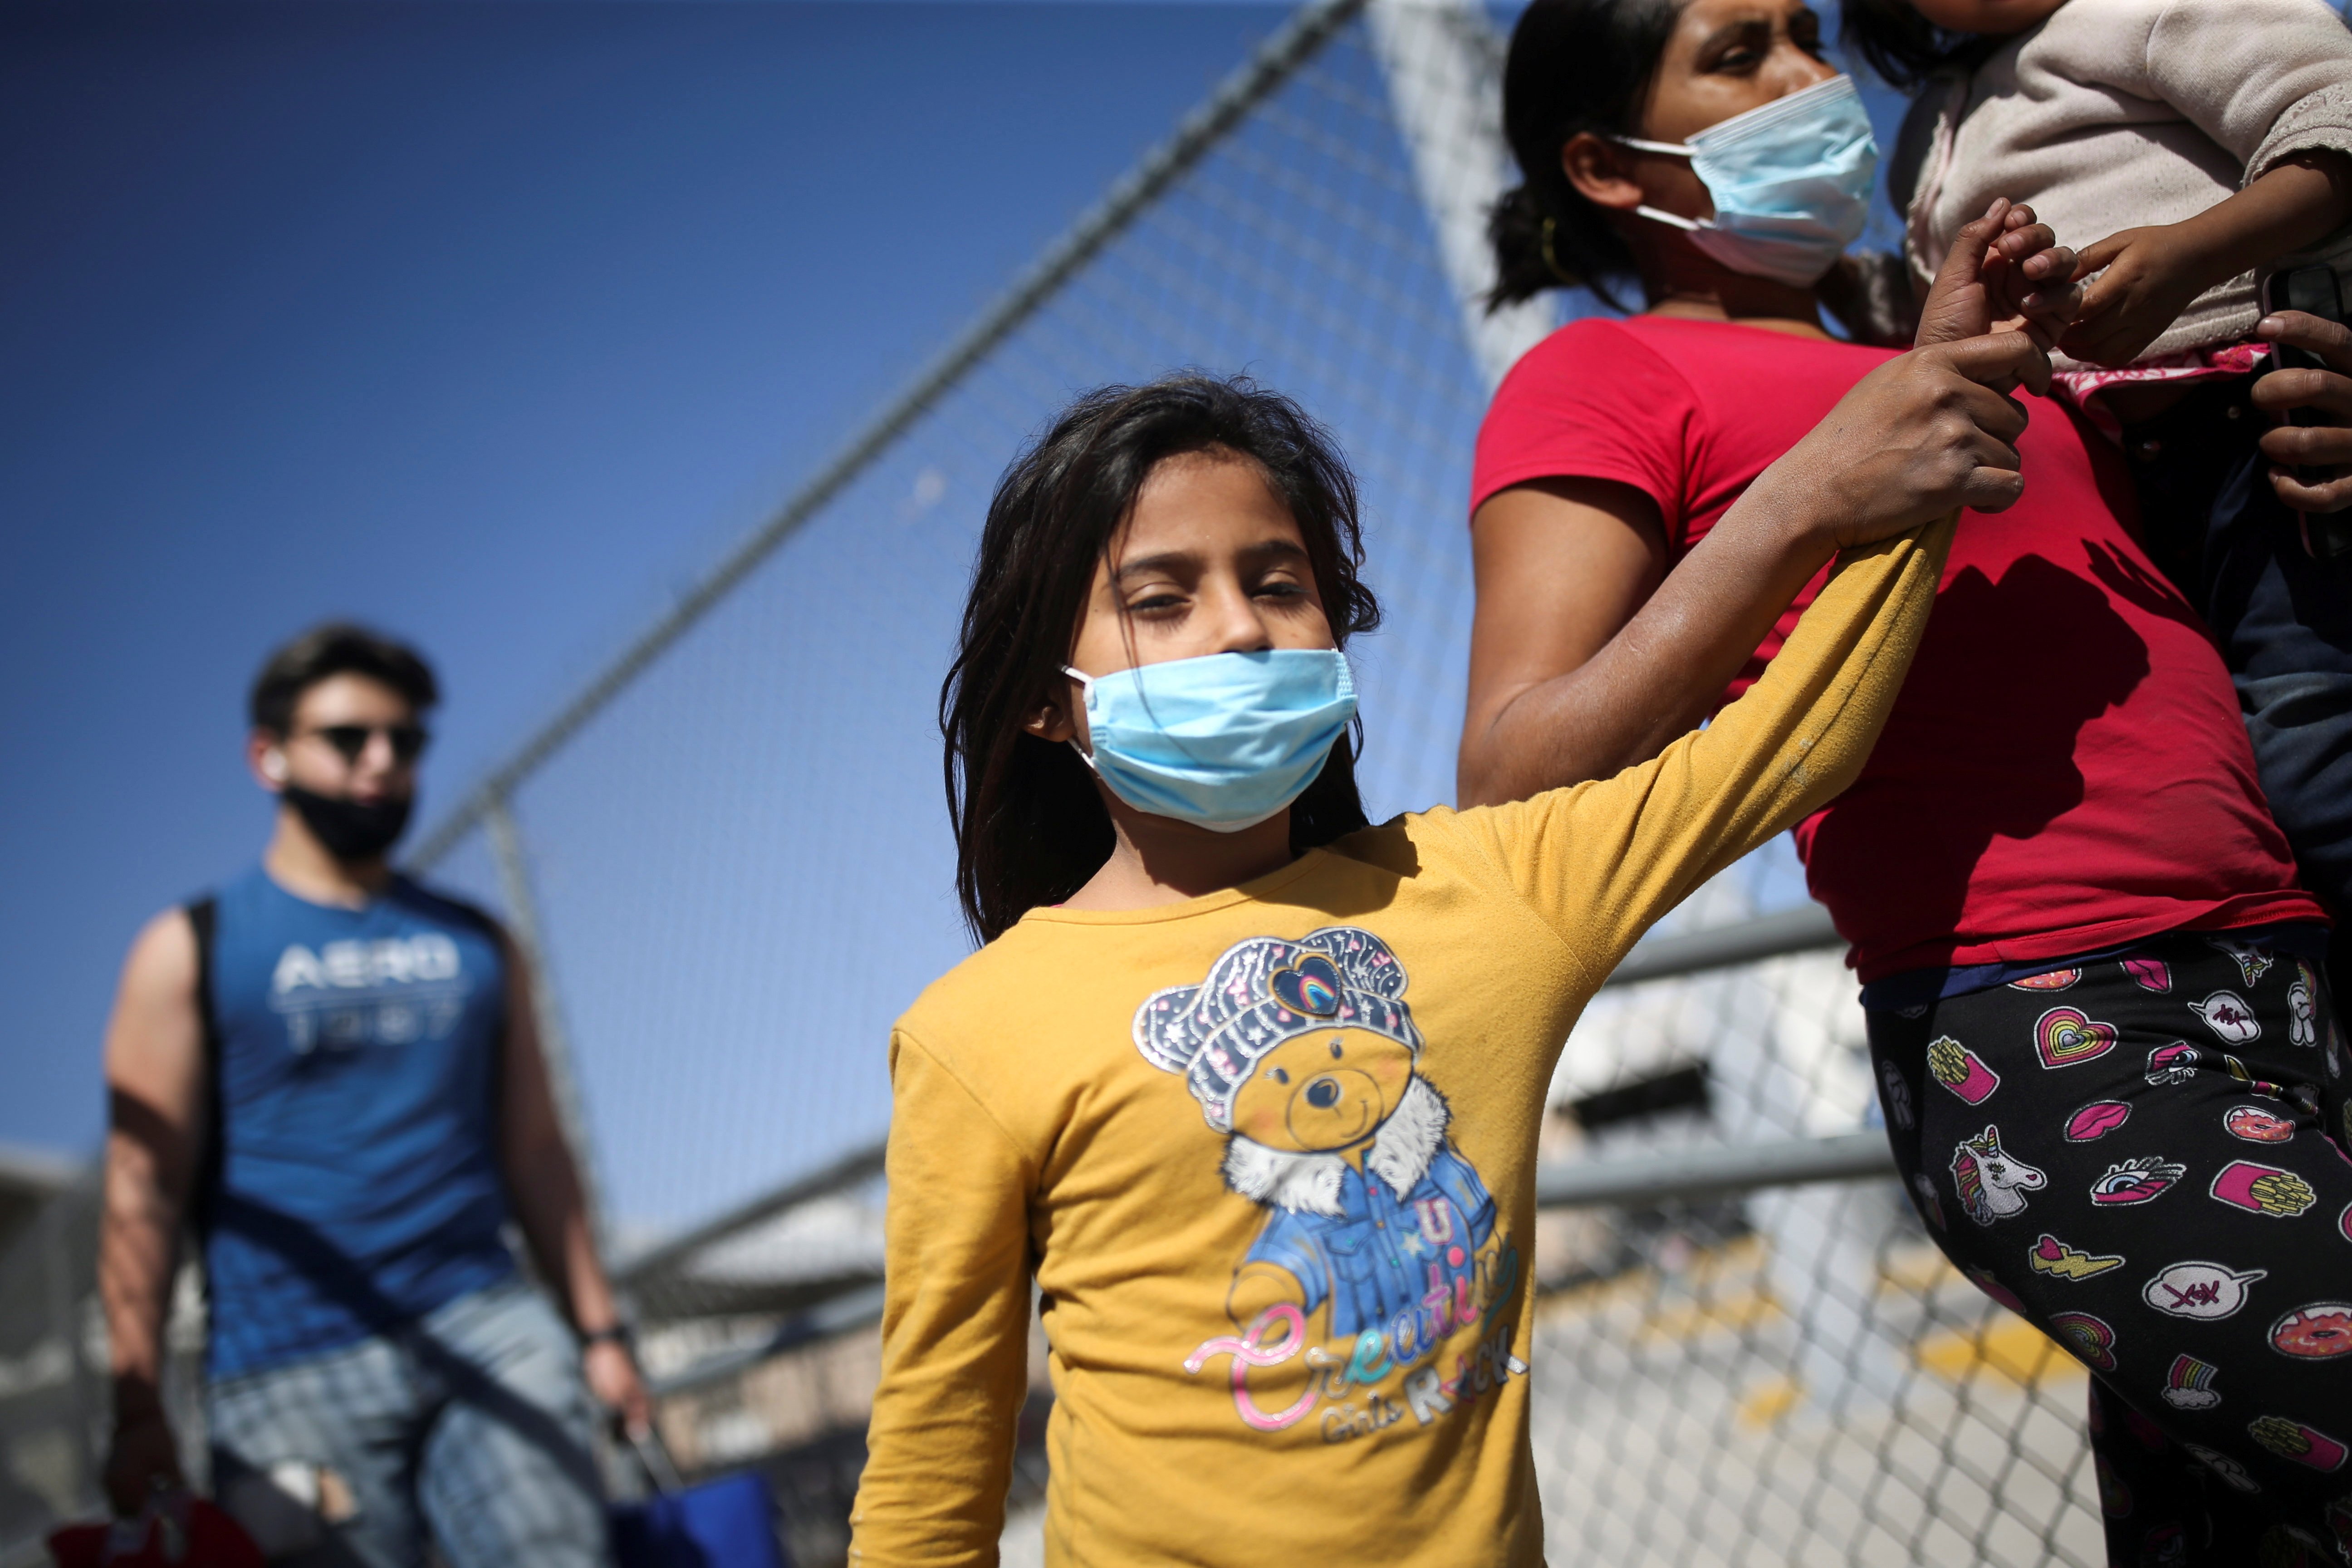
1679 1173
1707 1170
1805 929
1274 63
859 1166
37 1172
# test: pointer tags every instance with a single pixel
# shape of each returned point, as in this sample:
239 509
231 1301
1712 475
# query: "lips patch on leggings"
2097 1120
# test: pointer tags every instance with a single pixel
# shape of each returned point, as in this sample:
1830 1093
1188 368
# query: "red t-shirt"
2066 769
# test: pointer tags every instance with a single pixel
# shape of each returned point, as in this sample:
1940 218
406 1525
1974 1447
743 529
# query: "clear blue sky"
488 323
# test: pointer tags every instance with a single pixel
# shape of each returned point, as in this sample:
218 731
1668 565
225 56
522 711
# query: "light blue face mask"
1226 741
1792 181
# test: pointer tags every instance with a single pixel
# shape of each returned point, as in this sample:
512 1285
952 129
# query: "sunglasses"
351 740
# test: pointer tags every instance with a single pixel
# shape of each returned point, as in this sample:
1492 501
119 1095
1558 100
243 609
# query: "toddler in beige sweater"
2182 144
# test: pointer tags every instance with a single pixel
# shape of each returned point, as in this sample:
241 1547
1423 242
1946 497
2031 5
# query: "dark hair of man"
1574 65
1902 46
337 648
1030 828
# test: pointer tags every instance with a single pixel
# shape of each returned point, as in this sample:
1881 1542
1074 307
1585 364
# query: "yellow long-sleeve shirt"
1270 1156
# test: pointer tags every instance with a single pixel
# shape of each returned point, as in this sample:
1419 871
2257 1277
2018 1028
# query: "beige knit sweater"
2114 114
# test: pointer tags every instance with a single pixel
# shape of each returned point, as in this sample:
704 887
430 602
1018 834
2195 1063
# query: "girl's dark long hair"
1902 46
1029 830
1574 65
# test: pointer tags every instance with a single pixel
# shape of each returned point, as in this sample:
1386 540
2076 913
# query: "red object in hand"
175 1532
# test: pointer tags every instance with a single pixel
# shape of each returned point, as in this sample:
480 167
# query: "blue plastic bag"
725 1523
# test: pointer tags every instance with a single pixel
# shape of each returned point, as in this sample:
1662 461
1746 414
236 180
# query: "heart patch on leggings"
2066 1036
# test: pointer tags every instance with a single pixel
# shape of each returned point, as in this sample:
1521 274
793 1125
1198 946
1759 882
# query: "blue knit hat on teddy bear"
1263 992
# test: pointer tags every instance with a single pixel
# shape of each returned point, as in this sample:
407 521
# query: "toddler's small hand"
2148 278
2031 278
2005 273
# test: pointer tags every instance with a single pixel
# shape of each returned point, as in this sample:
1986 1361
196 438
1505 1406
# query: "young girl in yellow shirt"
1249 1087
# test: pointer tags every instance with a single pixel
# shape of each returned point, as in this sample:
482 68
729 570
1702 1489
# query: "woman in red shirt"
2063 801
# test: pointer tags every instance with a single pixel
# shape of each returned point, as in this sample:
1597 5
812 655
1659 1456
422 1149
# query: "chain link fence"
1793 1375
1747 1351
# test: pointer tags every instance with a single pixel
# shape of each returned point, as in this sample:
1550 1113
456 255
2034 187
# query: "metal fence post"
63 1306
554 1040
1442 63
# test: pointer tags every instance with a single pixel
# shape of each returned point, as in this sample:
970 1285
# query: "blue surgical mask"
1226 741
1790 179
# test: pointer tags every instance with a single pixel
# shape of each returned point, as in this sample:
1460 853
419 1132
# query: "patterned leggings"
2144 1156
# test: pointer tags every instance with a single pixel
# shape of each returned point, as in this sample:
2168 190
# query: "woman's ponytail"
1526 248
1561 244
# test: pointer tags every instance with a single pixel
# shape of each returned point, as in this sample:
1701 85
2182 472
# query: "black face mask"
345 828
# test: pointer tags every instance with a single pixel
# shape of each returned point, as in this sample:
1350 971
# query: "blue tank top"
357 1184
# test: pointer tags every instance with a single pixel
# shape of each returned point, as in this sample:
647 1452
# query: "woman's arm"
1602 861
955 1326
1586 654
1583 697
1561 564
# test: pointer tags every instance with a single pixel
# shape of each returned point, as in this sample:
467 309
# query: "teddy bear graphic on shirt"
1378 1246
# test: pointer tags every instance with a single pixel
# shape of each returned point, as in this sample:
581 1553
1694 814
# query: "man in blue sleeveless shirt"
334 1073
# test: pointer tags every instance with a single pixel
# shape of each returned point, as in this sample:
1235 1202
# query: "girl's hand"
2151 275
2005 273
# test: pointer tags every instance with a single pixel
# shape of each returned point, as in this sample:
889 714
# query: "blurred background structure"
728 851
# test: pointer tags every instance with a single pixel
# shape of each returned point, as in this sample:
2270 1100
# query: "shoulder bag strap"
204 920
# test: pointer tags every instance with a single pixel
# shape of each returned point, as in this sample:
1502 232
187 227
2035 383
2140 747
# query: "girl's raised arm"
955 1326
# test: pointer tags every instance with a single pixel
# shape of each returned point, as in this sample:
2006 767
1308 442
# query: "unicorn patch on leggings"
1991 1181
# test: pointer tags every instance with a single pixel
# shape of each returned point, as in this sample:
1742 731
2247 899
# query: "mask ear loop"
1671 150
1672 220
1085 685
